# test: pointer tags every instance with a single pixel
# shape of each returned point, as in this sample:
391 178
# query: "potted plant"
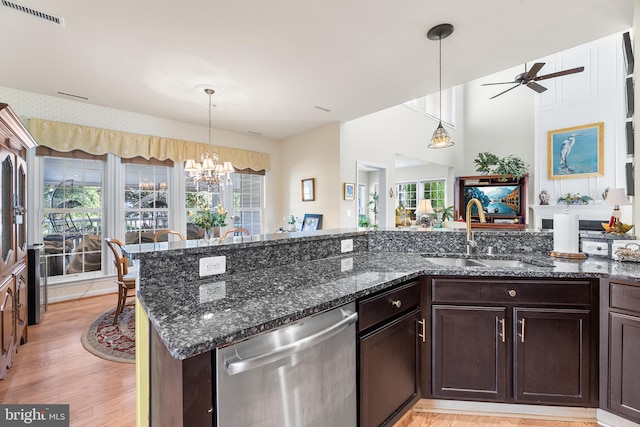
485 161
511 165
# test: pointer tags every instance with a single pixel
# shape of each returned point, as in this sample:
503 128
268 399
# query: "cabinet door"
389 369
624 374
469 352
551 356
7 325
7 237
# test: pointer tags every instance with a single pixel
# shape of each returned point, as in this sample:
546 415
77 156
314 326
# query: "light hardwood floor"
53 367
432 419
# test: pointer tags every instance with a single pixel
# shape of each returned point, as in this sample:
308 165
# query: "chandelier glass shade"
209 170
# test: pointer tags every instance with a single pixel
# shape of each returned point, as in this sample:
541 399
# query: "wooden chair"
126 279
163 232
238 231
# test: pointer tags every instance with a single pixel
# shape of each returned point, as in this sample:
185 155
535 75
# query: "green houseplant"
511 165
485 161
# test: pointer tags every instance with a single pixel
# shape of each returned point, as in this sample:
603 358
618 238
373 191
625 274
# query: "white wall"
313 154
378 137
595 95
503 125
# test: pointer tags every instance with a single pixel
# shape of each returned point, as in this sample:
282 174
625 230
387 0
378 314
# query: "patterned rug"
112 342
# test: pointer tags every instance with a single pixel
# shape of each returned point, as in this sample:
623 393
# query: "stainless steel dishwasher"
301 375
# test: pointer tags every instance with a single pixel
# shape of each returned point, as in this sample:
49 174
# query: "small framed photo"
312 222
349 191
308 190
576 152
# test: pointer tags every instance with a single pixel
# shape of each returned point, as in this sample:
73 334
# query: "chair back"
119 259
236 232
167 232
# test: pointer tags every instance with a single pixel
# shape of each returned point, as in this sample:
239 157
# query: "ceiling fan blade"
560 73
499 83
535 86
533 71
511 88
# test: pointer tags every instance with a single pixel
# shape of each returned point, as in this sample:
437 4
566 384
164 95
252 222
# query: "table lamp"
424 210
616 197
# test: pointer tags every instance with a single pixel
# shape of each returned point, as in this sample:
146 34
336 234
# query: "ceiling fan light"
440 138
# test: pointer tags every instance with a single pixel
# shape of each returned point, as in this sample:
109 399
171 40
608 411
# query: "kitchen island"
192 316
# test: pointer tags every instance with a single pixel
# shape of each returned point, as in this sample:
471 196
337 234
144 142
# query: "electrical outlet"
346 245
213 265
346 264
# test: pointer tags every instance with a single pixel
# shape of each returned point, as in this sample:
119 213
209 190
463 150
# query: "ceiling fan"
529 78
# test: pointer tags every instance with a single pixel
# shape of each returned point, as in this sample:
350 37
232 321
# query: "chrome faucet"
472 244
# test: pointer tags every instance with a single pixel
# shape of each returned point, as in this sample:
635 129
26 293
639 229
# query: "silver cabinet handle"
521 334
502 332
423 333
397 303
241 365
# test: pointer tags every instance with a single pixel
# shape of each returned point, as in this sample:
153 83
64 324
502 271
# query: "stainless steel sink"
482 263
456 262
506 263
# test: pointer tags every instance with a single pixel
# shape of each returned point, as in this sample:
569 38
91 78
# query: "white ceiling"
271 62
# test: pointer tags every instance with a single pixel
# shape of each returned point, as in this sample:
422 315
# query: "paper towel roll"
566 237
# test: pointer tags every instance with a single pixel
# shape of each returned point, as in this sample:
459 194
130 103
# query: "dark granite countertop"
198 316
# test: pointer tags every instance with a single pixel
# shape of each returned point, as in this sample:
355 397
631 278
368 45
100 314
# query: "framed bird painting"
576 152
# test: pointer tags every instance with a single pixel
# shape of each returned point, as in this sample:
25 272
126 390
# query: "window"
73 211
432 107
247 201
407 195
146 203
197 199
434 190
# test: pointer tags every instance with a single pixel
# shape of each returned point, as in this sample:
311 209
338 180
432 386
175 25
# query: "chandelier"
209 170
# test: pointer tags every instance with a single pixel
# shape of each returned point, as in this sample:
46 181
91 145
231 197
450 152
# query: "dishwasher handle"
238 366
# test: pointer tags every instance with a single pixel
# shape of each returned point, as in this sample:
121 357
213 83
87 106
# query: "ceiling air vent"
72 95
42 15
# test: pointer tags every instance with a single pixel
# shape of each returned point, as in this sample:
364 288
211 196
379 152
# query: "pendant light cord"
440 77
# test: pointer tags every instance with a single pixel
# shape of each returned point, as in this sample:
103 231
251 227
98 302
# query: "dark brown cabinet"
14 141
390 333
620 348
469 352
524 341
551 359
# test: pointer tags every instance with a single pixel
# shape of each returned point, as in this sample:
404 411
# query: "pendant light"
440 138
209 170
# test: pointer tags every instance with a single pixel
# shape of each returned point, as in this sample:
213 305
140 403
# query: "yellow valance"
67 137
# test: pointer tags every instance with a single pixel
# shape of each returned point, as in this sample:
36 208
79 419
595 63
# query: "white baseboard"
607 419
77 290
558 413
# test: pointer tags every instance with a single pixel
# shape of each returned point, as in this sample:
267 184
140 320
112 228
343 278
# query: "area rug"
112 342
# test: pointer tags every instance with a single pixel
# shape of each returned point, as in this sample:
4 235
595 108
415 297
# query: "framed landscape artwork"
576 152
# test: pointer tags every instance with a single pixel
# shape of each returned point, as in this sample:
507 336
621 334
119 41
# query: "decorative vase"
211 233
292 227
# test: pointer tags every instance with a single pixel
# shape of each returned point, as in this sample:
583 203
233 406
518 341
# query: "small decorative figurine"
544 197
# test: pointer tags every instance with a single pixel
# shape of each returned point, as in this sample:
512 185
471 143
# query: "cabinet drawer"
491 291
625 297
381 307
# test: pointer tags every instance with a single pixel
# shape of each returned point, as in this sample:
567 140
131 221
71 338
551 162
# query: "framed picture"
308 189
312 222
349 191
576 152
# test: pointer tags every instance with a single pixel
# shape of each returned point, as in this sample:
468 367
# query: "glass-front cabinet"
14 142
